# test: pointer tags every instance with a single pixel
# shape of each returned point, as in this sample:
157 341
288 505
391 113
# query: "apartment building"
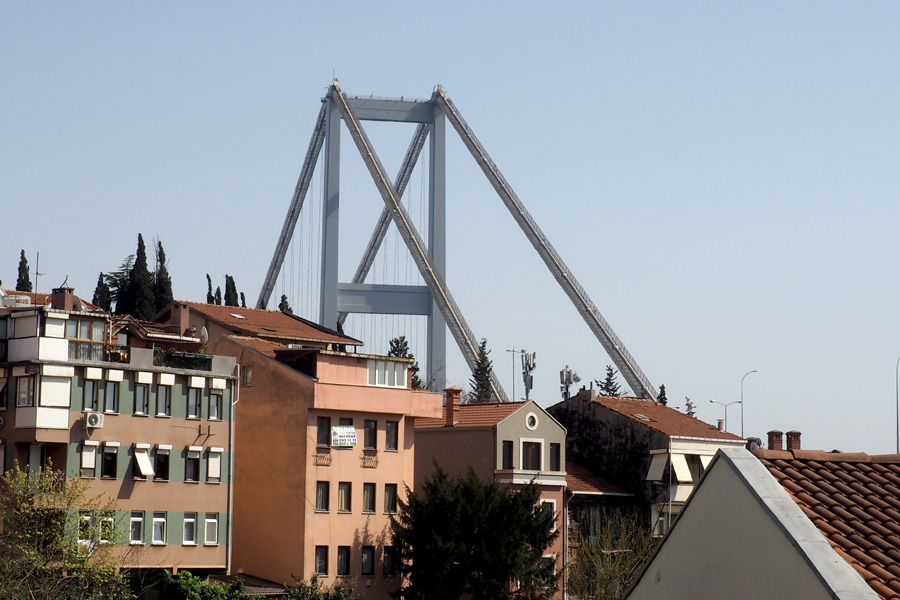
512 443
148 427
325 443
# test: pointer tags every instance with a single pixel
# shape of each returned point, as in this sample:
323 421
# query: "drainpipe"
235 399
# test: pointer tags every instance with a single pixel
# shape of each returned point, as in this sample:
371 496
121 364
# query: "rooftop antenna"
566 378
529 362
37 263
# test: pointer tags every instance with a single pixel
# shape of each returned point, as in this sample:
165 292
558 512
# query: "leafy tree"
661 396
117 281
610 558
464 537
314 590
138 300
231 295
210 298
187 586
399 347
689 407
48 550
480 383
102 296
23 283
162 282
610 385
283 306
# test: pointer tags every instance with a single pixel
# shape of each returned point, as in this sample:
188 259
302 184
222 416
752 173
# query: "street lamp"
726 409
742 400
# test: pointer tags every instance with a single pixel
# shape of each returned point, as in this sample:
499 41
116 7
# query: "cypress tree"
210 299
23 283
162 282
139 295
661 396
243 301
231 295
480 382
102 296
218 297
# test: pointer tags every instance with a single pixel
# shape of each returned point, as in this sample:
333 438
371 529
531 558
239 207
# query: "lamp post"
726 409
742 399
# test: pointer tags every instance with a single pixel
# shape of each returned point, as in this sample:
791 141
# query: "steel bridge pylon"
434 299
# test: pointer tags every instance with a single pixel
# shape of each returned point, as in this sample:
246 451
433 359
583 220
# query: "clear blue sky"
722 178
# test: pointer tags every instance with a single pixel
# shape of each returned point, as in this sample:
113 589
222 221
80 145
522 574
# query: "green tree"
610 557
481 389
465 537
23 283
243 301
50 545
210 298
689 407
283 306
231 295
102 296
610 385
399 347
187 586
218 296
138 300
661 396
162 282
117 281
314 590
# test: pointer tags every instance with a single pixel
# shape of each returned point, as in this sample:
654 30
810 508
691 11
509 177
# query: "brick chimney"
451 407
179 318
775 440
720 424
793 440
63 298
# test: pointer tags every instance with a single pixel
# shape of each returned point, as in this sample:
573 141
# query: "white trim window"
532 453
211 529
89 458
387 373
141 399
136 528
25 391
215 406
159 528
143 467
214 465
190 529
164 400
111 397
193 405
192 463
91 394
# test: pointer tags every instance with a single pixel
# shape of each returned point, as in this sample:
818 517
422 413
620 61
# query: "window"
142 468
531 456
368 560
193 408
107 530
343 566
323 432
346 421
141 400
391 435
25 391
507 454
390 560
89 458
112 396
85 339
322 560
215 406
214 465
371 432
164 401
162 463
322 495
84 527
109 464
344 496
136 528
212 530
192 463
90 395
190 529
531 421
390 497
554 457
387 373
159 528
548 507
369 497
4 389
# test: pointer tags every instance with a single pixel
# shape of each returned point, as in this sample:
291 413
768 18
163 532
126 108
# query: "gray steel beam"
380 299
331 216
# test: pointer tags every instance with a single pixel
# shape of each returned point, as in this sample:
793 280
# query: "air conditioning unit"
93 420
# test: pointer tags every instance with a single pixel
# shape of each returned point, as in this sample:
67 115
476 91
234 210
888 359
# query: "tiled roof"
272 324
264 347
662 418
474 415
145 328
581 479
854 500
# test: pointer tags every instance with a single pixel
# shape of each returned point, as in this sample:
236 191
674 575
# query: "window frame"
194 403
390 508
370 427
142 406
370 570
323 496
345 497
211 519
89 450
164 400
555 456
162 466
189 518
90 401
369 499
524 455
390 561
136 517
391 438
214 465
323 432
551 502
25 391
112 449
215 401
507 455
192 463
343 561
321 561
111 397
160 521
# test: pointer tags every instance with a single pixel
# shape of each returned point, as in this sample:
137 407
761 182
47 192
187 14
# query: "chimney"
451 407
180 318
63 298
720 424
793 440
775 440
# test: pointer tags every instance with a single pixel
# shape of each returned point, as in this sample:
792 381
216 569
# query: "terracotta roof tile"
854 500
265 347
474 415
272 324
582 479
662 418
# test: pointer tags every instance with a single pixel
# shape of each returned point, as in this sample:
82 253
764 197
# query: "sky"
721 178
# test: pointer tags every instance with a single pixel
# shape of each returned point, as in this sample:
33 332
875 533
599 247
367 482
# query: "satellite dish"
204 335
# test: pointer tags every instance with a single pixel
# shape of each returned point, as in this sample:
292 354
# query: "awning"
142 456
657 467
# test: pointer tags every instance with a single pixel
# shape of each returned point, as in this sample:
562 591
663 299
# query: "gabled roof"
272 324
264 347
661 418
581 480
474 415
854 500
